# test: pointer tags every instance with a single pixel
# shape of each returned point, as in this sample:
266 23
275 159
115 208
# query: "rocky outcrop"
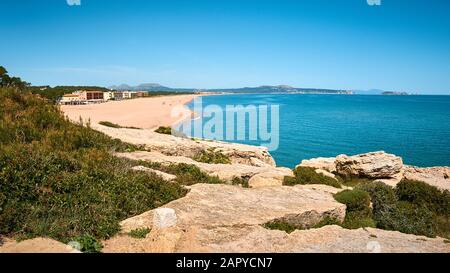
257 239
372 165
210 206
223 171
381 167
322 163
36 245
435 176
178 146
271 178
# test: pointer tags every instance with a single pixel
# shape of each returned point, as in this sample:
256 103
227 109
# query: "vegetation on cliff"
308 175
60 180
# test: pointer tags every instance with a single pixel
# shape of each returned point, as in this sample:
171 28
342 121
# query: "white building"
109 95
70 99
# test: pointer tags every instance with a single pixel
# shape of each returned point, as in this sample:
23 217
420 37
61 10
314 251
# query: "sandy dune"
142 113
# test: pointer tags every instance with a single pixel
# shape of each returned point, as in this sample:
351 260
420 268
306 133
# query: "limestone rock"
164 218
434 176
209 205
223 171
166 176
373 165
257 239
323 163
178 146
36 245
270 178
328 239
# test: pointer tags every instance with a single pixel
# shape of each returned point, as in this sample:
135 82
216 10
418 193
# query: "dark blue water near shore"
416 128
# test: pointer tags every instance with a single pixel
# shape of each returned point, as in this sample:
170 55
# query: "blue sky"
400 45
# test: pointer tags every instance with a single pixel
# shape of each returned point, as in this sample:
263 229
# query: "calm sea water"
417 128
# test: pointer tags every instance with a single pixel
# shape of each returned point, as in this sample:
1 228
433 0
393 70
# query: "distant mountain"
390 93
261 89
377 92
150 87
281 89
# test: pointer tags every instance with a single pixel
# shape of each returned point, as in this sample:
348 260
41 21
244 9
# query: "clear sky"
401 45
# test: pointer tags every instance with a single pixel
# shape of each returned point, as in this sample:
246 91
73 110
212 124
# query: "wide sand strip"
147 113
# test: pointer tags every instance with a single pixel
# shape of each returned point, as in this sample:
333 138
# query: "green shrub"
307 175
383 200
139 233
280 225
358 213
358 219
240 181
355 200
212 157
327 221
114 125
353 181
60 180
190 174
412 219
187 174
164 130
88 244
422 194
415 217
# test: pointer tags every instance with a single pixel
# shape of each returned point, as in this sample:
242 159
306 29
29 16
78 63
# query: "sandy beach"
147 113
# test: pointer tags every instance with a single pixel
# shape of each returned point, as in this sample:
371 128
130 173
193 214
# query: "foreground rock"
37 245
380 166
434 176
272 178
256 239
212 206
223 171
177 146
322 163
372 165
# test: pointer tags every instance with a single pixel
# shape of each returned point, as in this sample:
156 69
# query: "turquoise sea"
417 128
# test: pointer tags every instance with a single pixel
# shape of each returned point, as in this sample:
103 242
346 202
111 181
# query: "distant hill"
390 93
379 92
149 87
281 89
261 89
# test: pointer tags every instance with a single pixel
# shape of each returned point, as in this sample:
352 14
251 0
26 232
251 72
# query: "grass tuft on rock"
114 125
88 244
139 233
211 156
308 175
164 130
280 225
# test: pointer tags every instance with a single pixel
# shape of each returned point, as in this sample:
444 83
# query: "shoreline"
145 113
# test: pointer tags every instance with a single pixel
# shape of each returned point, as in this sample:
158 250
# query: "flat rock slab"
223 171
328 239
36 245
178 146
373 165
438 177
256 239
208 205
